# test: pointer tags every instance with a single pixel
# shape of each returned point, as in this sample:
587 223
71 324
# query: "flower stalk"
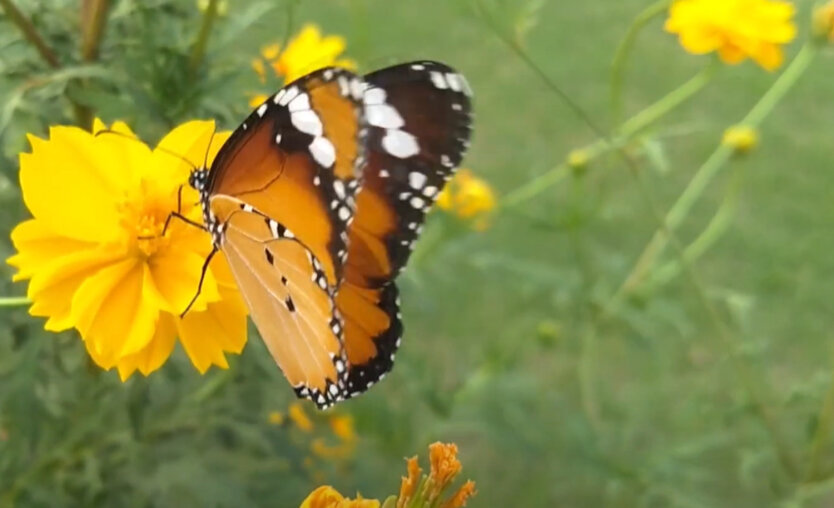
199 50
30 32
707 172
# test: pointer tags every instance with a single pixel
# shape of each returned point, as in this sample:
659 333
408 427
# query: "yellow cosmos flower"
306 52
328 497
468 197
736 29
95 256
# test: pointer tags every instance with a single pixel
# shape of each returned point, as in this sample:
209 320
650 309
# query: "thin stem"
752 386
624 51
14 301
93 22
716 228
30 32
199 50
711 167
629 128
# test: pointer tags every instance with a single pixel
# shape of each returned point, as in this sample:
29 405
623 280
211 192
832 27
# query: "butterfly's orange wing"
280 196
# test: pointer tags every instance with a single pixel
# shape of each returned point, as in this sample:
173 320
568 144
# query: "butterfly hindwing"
419 122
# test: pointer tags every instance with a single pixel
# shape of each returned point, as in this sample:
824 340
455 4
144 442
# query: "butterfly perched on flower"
316 201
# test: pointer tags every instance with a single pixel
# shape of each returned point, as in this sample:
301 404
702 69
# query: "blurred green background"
506 351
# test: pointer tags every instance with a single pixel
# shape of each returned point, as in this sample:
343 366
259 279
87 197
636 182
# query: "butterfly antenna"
160 148
208 148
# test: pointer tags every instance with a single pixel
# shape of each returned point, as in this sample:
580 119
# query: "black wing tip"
362 377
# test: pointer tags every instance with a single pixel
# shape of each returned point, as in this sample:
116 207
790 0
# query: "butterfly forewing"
297 159
419 123
278 200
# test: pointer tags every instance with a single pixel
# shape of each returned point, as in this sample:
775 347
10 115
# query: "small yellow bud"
741 138
822 24
578 159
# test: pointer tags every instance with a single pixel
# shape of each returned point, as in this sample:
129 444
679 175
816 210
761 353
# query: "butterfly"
316 201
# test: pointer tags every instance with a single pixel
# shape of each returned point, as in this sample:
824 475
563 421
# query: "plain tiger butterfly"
316 201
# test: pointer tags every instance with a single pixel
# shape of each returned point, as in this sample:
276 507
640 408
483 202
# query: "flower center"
149 237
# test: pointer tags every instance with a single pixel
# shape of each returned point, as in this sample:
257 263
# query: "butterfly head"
197 179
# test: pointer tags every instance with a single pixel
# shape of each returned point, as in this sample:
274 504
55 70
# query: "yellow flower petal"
64 185
114 312
257 99
154 354
176 275
736 29
220 329
37 245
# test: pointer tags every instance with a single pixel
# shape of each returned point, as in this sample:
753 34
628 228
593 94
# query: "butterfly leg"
202 278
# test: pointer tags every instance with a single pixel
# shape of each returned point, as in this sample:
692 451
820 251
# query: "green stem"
198 52
93 22
629 128
22 22
711 167
716 228
624 51
14 301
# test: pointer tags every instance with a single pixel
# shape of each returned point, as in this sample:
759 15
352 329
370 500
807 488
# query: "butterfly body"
316 201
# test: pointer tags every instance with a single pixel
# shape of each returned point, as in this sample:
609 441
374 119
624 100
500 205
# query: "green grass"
646 408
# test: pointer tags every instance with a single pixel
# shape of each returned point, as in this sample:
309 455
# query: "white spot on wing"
300 103
323 151
288 96
416 180
374 96
400 144
307 121
454 82
438 80
262 109
384 116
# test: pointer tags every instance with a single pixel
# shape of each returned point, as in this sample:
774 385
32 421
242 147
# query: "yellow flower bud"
823 22
741 138
578 159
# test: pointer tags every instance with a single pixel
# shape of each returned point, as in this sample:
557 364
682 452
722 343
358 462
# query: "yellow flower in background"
328 497
823 22
299 417
95 258
417 490
276 417
736 29
468 197
741 138
306 52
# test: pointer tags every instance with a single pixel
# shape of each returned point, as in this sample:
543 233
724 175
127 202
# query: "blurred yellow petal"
328 497
736 29
257 99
